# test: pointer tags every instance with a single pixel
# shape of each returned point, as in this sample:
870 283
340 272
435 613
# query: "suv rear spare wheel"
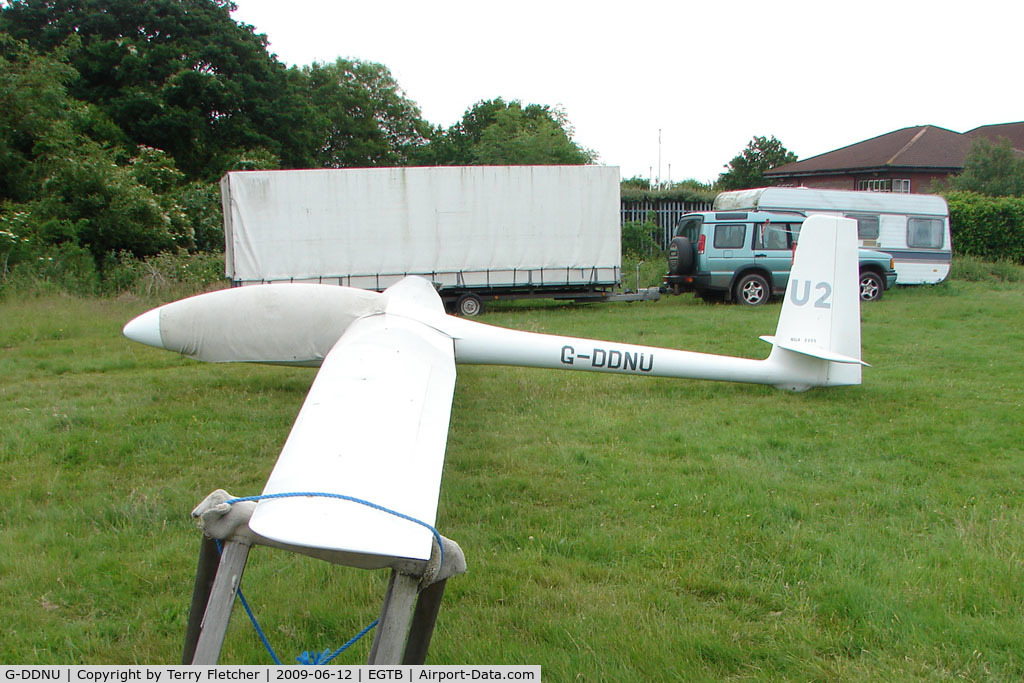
680 256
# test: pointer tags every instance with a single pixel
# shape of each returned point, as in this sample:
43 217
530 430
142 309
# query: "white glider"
375 422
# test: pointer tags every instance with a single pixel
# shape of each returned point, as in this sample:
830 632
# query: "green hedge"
674 193
989 227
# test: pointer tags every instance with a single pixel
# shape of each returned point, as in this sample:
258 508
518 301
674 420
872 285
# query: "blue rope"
326 656
338 496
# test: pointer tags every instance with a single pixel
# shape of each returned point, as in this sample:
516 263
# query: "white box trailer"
479 233
912 228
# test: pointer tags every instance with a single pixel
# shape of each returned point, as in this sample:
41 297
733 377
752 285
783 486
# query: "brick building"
905 160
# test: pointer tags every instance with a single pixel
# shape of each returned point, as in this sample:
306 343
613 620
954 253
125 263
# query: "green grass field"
616 528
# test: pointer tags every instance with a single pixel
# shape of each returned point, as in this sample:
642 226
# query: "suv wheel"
871 286
752 290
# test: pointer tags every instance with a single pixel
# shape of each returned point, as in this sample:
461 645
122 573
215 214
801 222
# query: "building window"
925 233
901 185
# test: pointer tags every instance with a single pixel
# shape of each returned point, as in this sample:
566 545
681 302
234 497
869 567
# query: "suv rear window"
730 236
689 228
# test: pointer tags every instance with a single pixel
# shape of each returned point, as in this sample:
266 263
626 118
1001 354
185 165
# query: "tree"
70 178
493 132
99 205
36 112
362 117
747 169
175 75
991 168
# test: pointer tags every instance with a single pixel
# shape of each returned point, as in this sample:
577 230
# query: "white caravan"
912 228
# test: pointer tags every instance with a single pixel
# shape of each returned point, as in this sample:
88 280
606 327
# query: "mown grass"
615 527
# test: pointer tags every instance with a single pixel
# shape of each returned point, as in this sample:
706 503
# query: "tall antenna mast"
659 157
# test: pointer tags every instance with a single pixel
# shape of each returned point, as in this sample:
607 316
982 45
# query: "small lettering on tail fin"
821 310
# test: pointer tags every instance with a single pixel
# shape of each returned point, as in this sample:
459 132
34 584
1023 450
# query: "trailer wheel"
871 286
469 306
752 290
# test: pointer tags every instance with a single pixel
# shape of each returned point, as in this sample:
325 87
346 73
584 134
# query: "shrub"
989 227
70 269
165 275
638 238
59 268
14 241
976 269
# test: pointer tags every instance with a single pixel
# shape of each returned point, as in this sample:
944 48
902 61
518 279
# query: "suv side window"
770 235
730 235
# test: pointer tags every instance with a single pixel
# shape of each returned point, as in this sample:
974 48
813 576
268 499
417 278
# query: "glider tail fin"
819 327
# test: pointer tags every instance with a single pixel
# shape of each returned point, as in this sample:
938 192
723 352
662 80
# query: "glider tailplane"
819 327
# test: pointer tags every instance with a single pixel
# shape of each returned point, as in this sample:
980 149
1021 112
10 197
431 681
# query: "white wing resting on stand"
374 426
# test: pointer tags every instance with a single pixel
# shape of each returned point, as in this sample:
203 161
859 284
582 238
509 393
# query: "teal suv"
745 256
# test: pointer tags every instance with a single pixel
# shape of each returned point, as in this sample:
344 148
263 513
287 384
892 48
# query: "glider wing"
374 426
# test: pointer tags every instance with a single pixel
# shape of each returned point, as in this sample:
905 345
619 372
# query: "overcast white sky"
709 76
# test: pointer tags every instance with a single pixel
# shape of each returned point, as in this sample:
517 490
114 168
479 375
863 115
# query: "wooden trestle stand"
407 617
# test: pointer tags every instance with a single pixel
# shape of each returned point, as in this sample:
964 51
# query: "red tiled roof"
919 147
1014 132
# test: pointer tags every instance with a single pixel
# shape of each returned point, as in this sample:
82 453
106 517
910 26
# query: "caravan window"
925 233
867 225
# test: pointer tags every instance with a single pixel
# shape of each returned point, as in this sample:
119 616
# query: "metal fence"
666 215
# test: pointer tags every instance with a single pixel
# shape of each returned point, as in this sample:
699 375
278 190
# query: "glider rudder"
820 316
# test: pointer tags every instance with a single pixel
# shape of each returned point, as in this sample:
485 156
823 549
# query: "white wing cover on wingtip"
374 426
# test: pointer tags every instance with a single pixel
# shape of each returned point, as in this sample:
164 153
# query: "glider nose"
145 329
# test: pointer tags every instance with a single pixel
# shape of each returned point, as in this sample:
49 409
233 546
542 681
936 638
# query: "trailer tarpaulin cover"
352 224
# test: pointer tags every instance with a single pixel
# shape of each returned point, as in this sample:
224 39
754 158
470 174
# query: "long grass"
616 528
